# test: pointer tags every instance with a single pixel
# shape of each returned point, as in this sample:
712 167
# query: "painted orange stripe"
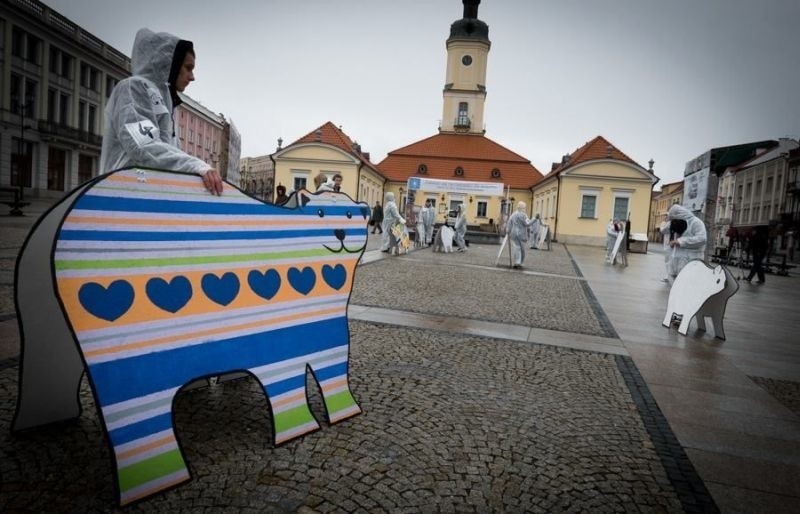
149 446
161 182
197 222
171 339
336 383
289 399
143 310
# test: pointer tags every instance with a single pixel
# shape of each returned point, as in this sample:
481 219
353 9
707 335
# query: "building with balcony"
669 195
200 130
257 176
55 79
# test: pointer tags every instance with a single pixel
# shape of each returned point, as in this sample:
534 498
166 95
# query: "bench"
17 204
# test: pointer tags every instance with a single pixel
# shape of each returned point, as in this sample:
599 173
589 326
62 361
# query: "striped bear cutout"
162 284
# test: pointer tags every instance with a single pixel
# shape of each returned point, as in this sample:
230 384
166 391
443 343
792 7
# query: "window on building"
463 114
82 116
52 105
63 109
55 60
33 49
85 168
15 90
769 185
111 83
482 206
66 65
17 42
90 77
56 168
588 206
621 207
191 136
758 188
31 96
21 160
300 183
92 126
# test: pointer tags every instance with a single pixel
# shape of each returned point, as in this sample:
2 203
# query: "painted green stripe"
183 261
150 469
292 418
339 401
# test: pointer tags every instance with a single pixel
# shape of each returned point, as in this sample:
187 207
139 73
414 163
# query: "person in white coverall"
689 245
139 127
428 218
518 224
391 216
611 238
536 225
461 229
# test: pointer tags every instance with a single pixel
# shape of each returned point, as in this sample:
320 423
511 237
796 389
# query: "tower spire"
471 8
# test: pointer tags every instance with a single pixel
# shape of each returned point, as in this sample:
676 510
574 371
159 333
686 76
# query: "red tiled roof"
476 154
596 149
330 134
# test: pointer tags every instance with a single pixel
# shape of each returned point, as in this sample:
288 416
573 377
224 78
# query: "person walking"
377 217
518 224
391 217
139 129
611 238
759 245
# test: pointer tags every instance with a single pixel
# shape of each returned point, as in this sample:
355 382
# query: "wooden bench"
17 204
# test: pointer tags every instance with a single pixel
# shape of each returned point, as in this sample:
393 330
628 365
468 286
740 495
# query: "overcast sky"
660 79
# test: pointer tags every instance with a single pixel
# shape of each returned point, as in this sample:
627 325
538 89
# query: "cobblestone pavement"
452 285
451 423
785 391
10 242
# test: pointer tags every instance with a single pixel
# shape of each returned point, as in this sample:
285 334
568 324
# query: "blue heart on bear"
220 290
170 296
302 281
335 276
265 284
106 303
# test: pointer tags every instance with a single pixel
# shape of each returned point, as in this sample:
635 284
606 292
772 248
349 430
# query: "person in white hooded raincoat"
689 245
428 218
391 216
139 126
461 229
518 224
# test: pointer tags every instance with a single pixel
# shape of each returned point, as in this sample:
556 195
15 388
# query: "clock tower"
465 80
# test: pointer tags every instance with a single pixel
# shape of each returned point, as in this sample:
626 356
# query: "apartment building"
55 79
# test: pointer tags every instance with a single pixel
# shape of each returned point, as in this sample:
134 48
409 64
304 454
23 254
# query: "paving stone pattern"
451 423
785 391
454 289
554 261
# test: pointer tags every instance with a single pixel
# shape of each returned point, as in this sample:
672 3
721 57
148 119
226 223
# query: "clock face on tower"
466 60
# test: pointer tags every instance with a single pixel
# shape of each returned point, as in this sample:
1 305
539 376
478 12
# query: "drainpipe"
558 199
274 176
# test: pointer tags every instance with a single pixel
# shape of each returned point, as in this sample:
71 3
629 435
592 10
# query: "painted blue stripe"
286 385
213 206
140 429
124 379
329 372
119 235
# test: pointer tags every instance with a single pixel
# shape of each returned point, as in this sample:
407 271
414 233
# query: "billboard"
695 190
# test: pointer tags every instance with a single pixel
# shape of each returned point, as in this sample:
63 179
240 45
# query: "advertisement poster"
695 190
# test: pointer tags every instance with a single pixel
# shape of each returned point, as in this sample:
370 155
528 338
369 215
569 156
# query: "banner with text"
455 186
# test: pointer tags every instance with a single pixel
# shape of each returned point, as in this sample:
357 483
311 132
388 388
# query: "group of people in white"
391 241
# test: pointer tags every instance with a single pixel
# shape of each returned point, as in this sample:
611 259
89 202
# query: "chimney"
366 155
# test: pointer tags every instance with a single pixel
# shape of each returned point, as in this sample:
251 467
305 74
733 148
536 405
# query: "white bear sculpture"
700 291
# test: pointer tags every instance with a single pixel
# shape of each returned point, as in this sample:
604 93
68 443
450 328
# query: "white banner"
695 190
455 186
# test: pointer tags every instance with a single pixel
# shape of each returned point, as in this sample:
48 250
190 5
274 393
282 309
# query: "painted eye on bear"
349 215
717 281
321 213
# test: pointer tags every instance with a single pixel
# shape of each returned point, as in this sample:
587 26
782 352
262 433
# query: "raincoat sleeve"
136 127
695 235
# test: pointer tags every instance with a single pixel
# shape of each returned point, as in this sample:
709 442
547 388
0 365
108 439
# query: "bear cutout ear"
304 200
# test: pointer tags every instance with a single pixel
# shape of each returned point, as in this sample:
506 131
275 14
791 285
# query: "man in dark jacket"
377 217
759 244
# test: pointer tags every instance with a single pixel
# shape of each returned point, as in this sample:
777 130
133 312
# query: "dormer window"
422 169
496 173
459 171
